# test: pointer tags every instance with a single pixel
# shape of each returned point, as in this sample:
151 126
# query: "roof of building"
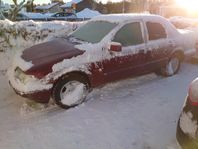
87 13
46 7
69 4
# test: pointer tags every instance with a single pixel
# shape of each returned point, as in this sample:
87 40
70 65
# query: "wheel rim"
73 93
172 66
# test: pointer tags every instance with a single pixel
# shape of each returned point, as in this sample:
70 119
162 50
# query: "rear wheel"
172 66
70 91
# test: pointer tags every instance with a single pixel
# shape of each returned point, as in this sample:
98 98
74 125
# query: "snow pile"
87 13
188 125
27 33
16 36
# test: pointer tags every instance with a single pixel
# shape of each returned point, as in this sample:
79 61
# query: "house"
79 5
87 14
50 8
5 7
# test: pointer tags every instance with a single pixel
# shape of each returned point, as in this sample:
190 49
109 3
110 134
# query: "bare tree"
15 10
30 6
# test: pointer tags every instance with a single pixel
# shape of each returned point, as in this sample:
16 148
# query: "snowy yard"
138 113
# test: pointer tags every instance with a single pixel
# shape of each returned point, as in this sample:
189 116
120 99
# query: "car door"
158 45
131 60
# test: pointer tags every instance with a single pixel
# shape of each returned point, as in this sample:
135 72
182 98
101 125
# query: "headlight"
21 76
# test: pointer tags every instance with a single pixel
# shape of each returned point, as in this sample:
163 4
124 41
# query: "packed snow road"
138 113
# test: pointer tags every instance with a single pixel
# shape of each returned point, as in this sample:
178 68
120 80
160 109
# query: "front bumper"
42 96
38 90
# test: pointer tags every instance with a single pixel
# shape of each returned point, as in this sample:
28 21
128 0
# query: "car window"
129 34
19 15
93 31
58 15
68 14
155 31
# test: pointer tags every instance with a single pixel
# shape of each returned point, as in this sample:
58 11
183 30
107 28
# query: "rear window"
155 31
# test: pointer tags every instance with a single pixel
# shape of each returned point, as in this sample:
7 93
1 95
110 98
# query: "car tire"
172 66
70 91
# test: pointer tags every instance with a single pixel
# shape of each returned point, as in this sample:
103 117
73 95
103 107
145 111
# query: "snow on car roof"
120 18
124 17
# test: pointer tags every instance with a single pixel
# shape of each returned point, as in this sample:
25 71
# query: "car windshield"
93 31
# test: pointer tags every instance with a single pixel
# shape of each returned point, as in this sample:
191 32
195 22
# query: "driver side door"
132 58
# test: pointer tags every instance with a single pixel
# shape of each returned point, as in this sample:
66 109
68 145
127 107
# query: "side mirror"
115 47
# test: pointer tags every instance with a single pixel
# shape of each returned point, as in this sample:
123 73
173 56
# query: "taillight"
193 92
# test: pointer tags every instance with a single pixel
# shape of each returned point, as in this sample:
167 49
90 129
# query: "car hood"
58 48
43 56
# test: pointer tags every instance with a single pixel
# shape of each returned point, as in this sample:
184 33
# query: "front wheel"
172 66
70 91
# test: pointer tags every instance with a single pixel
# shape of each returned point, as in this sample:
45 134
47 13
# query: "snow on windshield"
94 31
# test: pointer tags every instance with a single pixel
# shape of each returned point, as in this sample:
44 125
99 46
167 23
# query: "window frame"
142 28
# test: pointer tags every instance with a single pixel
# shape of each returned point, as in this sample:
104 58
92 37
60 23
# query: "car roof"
118 18
122 18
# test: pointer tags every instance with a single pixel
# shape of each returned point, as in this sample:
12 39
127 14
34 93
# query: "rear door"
158 44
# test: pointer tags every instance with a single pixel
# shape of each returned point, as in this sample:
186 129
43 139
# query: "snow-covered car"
22 17
63 16
105 49
187 127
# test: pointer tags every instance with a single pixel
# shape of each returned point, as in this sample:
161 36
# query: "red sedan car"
106 49
187 128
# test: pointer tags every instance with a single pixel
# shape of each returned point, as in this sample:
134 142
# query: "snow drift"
27 33
16 36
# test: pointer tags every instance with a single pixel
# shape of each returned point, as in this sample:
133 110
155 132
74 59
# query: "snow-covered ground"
136 113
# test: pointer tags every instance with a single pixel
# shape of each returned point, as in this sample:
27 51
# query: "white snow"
136 113
87 13
21 63
73 96
69 3
27 34
188 125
